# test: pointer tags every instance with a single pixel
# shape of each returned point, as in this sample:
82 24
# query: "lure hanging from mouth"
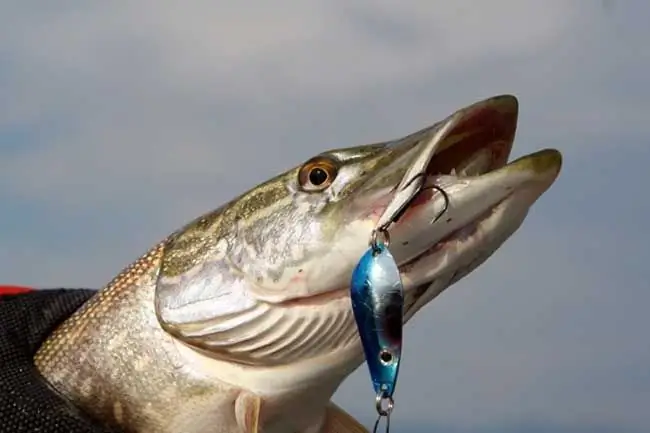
377 292
377 298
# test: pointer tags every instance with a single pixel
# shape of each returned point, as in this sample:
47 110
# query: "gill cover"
210 306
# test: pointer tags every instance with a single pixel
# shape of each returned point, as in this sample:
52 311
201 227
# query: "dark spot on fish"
405 243
449 220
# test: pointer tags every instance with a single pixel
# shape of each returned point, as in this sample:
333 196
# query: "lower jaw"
418 289
467 231
414 294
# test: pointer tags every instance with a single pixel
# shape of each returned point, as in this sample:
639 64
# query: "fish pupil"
318 176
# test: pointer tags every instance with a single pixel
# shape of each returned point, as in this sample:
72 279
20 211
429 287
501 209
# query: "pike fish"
241 321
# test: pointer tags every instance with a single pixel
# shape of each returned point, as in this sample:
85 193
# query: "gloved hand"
27 403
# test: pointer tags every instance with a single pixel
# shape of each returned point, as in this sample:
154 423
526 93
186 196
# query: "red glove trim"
14 290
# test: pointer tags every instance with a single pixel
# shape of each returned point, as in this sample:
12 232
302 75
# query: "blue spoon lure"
377 297
376 289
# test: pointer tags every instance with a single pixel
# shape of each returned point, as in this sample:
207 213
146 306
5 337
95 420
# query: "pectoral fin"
247 412
339 421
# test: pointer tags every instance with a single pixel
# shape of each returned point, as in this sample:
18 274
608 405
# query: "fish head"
264 280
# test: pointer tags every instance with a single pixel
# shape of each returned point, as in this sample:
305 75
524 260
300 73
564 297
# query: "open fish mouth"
480 142
483 199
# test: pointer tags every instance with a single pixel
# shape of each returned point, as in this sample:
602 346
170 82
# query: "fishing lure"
376 288
377 297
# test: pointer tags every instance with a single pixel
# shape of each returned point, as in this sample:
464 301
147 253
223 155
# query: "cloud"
159 91
121 121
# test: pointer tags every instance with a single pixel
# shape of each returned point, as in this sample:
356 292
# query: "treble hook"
376 427
408 188
445 196
394 212
440 189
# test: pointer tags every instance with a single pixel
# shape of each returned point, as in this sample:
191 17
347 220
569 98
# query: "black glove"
27 403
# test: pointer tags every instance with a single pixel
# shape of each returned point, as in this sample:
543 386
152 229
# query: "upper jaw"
487 125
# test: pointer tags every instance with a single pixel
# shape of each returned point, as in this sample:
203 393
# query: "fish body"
241 321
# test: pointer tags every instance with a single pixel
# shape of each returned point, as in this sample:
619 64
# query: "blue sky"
120 121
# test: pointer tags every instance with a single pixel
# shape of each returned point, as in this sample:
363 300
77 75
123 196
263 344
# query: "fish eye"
317 174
